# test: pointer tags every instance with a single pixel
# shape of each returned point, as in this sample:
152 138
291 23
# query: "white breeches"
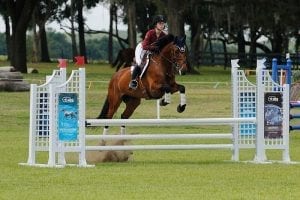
139 53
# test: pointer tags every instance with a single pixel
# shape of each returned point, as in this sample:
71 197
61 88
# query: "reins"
174 63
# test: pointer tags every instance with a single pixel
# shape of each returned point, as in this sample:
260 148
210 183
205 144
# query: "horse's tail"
104 111
118 59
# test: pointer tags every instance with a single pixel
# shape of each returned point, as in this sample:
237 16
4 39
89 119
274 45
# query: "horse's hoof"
163 103
181 108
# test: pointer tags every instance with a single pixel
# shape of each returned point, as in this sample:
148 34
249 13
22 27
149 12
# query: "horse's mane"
163 41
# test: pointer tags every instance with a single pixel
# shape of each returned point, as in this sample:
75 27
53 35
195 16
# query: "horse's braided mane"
163 41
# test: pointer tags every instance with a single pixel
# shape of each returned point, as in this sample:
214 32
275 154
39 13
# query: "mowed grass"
197 174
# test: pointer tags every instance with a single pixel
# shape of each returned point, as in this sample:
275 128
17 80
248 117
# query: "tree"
175 16
43 12
112 15
20 13
4 13
80 20
144 14
131 14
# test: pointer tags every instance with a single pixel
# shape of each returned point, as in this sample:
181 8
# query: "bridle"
173 59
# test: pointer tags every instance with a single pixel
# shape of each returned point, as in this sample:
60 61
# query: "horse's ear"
183 39
175 40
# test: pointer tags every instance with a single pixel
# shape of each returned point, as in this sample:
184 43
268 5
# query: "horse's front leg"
175 88
182 104
166 99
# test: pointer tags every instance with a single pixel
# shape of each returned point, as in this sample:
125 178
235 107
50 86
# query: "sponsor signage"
67 116
273 114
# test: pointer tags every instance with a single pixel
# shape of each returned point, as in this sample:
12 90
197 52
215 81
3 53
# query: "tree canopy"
242 23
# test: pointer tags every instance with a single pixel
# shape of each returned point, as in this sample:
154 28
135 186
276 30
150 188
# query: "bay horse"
158 81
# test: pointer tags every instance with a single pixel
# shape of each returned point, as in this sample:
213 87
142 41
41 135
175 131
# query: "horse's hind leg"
114 104
131 104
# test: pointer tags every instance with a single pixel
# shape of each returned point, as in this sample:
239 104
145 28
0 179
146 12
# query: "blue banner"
67 116
247 109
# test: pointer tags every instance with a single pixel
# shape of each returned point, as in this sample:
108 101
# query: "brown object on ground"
109 156
12 81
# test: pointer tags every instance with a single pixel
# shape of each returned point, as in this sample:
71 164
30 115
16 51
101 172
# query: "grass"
198 174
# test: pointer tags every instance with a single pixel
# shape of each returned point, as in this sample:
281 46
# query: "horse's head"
179 57
173 51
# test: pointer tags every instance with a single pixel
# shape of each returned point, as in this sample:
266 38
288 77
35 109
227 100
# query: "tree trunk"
241 45
35 45
35 41
252 47
277 45
131 10
44 44
211 50
20 12
18 46
175 20
226 61
112 11
7 36
195 44
73 35
82 48
297 43
117 33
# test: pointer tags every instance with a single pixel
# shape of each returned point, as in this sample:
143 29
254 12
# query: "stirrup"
133 84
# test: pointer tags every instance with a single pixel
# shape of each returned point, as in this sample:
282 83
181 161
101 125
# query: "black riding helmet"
158 18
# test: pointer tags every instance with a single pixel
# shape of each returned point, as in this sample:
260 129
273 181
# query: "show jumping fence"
58 123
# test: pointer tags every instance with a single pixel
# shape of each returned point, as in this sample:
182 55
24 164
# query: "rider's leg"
139 53
133 83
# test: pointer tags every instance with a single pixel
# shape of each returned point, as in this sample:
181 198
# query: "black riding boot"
133 83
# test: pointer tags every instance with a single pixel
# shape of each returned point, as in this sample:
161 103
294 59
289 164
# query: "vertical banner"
273 114
67 116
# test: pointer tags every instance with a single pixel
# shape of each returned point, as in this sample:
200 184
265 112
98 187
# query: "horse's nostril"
183 73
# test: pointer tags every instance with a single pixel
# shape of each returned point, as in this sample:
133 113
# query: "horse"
158 81
124 59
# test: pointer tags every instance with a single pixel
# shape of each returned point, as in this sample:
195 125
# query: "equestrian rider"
146 47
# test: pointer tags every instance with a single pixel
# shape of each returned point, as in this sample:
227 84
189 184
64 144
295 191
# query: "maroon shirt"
150 38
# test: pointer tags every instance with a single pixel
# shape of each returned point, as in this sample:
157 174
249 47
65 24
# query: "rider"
147 45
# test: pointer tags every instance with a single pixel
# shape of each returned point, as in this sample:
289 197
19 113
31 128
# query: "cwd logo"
67 100
273 99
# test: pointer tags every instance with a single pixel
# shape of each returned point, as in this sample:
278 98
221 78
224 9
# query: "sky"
96 18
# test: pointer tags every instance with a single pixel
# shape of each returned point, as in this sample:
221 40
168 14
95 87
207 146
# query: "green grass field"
197 174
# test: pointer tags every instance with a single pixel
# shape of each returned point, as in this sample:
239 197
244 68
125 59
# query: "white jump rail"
161 136
160 147
168 122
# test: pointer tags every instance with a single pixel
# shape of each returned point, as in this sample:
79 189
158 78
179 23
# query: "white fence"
247 122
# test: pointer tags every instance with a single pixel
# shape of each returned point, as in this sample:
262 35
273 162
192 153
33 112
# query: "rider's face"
160 26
